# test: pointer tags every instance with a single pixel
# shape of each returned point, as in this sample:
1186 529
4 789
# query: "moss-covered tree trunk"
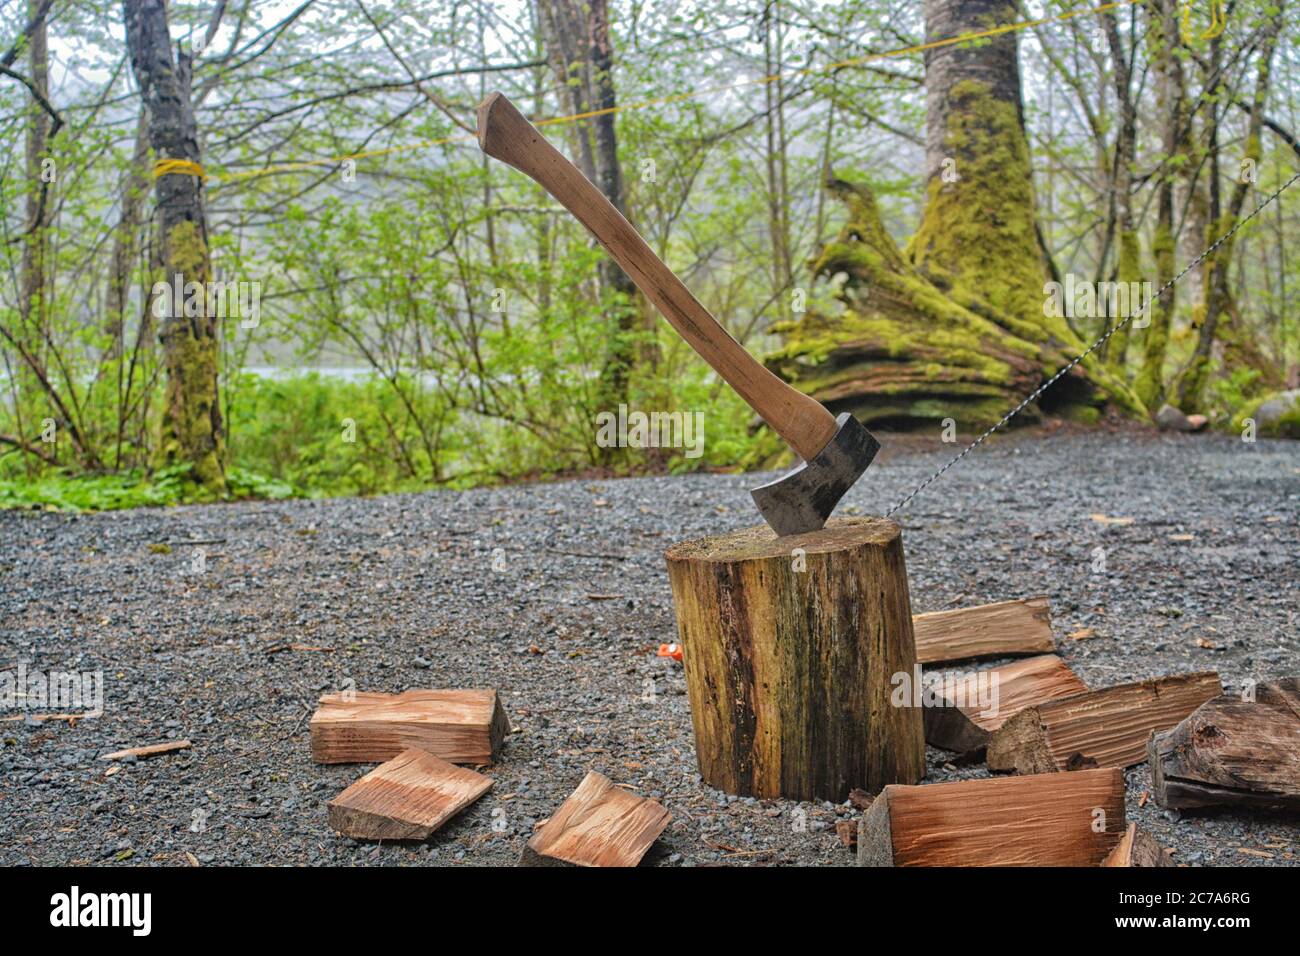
192 431
955 324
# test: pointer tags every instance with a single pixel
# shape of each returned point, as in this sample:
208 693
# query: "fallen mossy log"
915 345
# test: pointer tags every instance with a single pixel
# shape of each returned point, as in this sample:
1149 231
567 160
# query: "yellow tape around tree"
178 167
1218 22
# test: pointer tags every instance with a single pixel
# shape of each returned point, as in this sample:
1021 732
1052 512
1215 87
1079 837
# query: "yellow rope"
178 167
1218 22
704 91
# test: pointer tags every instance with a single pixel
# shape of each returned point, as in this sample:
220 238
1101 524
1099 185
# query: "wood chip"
847 831
407 798
1103 519
1055 819
1137 848
70 718
861 798
460 726
598 825
1006 629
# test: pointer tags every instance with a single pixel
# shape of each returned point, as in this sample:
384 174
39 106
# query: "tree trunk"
192 431
126 237
1129 268
578 43
32 285
1218 296
1149 385
778 199
955 325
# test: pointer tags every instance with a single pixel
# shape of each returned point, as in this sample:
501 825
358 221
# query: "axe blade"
801 500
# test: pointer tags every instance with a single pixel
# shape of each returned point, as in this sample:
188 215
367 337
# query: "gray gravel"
403 590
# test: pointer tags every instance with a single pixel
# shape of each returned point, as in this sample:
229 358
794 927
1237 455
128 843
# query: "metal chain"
1092 348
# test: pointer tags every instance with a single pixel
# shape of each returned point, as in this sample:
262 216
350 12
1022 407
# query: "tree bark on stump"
790 645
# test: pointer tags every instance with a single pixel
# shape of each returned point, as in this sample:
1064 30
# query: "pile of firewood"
420 736
1064 745
1067 746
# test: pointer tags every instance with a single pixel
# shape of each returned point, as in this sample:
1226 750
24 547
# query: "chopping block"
791 646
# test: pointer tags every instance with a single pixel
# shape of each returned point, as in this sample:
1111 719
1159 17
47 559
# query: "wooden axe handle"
504 134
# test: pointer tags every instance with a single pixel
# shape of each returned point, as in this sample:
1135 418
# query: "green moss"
1083 414
1287 425
1149 384
1130 270
954 326
979 230
190 431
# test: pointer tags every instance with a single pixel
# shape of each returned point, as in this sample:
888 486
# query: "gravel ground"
494 588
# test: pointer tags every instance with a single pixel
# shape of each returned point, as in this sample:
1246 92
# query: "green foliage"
459 314
61 491
1233 392
325 436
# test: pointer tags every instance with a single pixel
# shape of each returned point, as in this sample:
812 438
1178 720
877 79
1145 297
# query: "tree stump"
790 647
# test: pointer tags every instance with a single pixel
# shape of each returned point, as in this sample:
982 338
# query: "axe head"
804 498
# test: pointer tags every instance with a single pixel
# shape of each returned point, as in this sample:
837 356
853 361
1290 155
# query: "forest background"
892 220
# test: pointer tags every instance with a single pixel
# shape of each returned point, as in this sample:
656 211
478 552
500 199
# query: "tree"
578 43
1223 220
192 432
954 325
1171 105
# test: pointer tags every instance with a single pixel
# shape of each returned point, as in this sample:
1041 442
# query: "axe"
835 451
